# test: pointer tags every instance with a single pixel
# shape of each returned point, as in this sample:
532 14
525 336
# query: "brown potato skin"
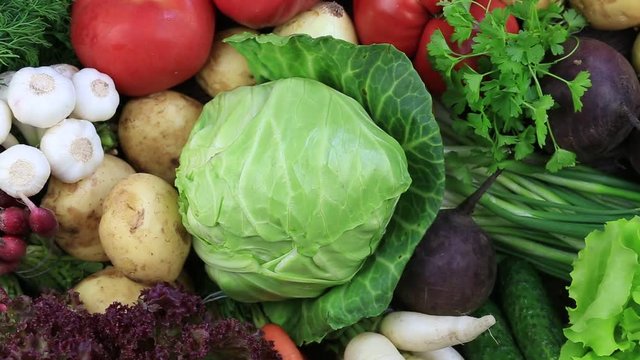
78 208
141 229
609 14
153 129
99 290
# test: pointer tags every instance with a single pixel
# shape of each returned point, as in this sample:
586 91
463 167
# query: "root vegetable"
66 69
413 331
608 14
448 353
73 149
6 118
10 141
24 170
371 346
153 130
635 54
12 248
41 220
103 288
41 97
324 19
225 69
453 269
14 220
611 104
96 95
141 230
78 208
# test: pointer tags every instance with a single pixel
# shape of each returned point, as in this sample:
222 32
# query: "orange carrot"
282 342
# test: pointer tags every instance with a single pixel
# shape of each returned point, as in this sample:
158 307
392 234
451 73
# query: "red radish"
7 200
12 248
42 221
14 221
8 267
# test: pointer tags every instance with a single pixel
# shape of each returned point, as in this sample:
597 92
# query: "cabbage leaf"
384 82
605 322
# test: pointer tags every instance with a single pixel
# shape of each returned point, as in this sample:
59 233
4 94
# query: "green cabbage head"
287 188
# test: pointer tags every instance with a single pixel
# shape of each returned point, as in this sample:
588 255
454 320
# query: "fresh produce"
144 46
603 322
296 233
101 289
535 324
282 343
96 96
635 54
153 129
10 285
371 345
609 15
73 149
611 105
78 208
410 25
326 18
263 13
225 69
34 33
5 120
448 353
501 104
495 344
140 229
540 4
41 97
403 110
453 268
12 248
166 322
24 170
414 331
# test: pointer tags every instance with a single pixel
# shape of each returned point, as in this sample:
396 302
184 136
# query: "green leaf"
606 273
472 80
580 84
540 117
384 81
561 159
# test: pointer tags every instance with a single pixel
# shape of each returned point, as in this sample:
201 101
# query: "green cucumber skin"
497 343
536 327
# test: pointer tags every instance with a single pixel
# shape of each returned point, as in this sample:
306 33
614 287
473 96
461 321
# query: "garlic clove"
73 149
5 120
96 95
41 97
24 170
65 69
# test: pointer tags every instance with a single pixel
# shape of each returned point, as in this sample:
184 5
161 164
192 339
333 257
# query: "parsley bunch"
502 103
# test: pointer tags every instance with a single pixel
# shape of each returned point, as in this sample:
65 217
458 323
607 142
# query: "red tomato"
258 14
479 10
144 45
395 22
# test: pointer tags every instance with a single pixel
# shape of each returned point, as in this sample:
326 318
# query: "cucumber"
495 344
535 325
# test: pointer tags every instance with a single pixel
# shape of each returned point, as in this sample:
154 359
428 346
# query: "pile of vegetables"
305 179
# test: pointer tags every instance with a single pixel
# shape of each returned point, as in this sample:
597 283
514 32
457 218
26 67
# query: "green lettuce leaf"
383 80
605 322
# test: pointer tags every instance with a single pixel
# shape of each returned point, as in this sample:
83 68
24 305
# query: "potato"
226 69
99 290
609 14
141 230
324 19
153 129
635 54
78 208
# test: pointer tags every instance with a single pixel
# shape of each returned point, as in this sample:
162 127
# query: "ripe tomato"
258 14
144 45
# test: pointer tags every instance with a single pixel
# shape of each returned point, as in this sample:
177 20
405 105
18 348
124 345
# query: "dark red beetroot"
12 248
453 269
42 221
611 105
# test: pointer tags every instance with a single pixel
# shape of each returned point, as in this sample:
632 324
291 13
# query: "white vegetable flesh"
5 120
413 331
324 19
371 346
73 149
65 69
448 353
41 97
96 95
24 170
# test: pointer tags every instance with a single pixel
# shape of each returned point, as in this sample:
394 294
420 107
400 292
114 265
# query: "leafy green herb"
34 32
502 102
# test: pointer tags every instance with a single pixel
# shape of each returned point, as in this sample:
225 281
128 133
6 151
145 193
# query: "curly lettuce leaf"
605 322
384 81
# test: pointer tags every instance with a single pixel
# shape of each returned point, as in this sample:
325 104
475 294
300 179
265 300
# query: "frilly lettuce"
605 322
